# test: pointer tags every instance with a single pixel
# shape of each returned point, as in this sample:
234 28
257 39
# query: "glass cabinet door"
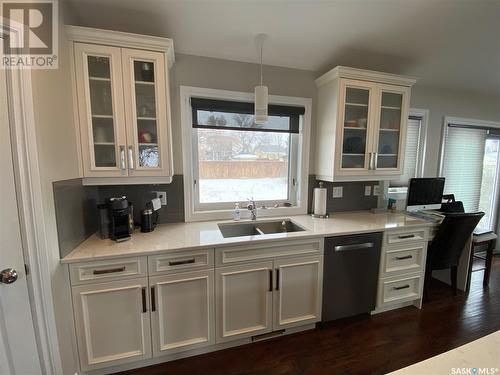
389 130
98 79
355 131
146 118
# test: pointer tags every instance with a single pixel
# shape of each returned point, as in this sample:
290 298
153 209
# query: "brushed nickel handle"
405 257
402 287
123 166
357 246
130 157
180 262
8 276
109 270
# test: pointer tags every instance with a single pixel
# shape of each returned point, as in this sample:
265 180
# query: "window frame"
299 149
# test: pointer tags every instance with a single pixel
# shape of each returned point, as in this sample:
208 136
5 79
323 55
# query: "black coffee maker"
121 218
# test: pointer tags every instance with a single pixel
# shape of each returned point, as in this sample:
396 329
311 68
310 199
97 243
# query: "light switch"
337 192
368 190
376 190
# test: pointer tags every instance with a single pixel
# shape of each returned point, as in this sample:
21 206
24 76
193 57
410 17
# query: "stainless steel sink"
258 228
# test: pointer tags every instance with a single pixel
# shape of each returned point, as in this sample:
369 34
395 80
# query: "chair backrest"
447 198
447 246
454 206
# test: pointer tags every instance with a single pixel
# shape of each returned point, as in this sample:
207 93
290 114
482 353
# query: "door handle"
370 162
130 157
270 289
277 279
153 299
143 291
8 276
357 246
122 158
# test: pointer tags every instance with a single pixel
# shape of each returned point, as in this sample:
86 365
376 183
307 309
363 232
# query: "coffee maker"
121 218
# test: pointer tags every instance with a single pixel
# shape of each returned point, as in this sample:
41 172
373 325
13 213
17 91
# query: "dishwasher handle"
357 246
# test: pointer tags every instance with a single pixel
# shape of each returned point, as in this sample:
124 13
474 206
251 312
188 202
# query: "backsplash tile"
353 199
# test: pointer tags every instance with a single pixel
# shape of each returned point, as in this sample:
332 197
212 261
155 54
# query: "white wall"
56 142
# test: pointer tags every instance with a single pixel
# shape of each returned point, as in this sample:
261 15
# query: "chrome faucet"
252 207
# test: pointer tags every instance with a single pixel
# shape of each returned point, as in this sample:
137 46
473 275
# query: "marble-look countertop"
477 357
178 236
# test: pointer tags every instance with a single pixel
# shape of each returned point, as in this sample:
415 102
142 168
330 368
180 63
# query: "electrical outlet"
162 196
368 190
337 192
376 190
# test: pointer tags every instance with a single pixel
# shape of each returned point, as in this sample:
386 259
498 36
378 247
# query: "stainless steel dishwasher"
350 275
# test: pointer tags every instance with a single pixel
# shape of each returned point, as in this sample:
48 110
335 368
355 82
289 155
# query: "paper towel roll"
320 201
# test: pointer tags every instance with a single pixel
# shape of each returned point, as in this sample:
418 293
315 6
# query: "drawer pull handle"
270 289
405 257
143 291
405 236
357 246
277 279
153 299
180 262
402 287
109 270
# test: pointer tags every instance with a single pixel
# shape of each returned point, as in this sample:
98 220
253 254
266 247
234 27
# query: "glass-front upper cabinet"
145 90
355 129
390 128
99 81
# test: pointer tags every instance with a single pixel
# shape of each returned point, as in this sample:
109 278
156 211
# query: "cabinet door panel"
244 300
100 108
391 128
354 132
183 316
147 115
298 291
112 323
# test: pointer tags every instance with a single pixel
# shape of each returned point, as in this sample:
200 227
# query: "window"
233 159
470 164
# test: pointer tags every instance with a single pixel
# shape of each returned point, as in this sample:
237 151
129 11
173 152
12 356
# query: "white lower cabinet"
244 300
112 322
182 311
257 298
298 291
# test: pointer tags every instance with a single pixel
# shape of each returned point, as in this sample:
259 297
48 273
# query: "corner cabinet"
361 124
121 86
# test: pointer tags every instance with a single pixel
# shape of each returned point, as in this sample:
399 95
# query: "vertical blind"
412 151
462 164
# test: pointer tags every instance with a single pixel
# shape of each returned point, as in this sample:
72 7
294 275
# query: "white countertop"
169 237
472 358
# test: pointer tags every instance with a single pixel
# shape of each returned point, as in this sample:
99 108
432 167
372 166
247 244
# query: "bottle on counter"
236 212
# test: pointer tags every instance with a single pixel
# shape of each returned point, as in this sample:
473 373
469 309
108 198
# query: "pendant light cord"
261 47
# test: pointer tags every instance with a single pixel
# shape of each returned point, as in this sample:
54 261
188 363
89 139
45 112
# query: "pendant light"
261 92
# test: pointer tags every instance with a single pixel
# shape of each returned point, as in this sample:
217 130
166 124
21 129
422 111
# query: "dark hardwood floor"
372 345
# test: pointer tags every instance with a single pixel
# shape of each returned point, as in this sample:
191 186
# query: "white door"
182 311
298 291
244 300
18 349
112 322
146 112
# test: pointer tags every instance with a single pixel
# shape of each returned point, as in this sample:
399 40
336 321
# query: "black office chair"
452 207
446 248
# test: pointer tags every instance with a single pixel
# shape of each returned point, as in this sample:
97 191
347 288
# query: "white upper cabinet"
123 106
361 124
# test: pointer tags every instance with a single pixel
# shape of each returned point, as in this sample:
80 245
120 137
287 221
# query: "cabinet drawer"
107 270
400 289
407 236
403 260
181 261
267 250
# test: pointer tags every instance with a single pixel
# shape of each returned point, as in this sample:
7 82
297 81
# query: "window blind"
462 164
412 150
232 115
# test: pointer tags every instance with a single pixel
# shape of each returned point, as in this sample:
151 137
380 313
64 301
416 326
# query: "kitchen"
138 109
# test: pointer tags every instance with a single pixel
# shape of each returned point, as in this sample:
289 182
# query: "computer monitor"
425 194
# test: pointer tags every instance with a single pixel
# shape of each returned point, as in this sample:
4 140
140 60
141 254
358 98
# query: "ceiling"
445 43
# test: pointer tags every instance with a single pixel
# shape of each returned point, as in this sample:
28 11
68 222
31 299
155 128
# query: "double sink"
258 228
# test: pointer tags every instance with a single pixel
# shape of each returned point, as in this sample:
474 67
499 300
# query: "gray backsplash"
76 205
353 199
